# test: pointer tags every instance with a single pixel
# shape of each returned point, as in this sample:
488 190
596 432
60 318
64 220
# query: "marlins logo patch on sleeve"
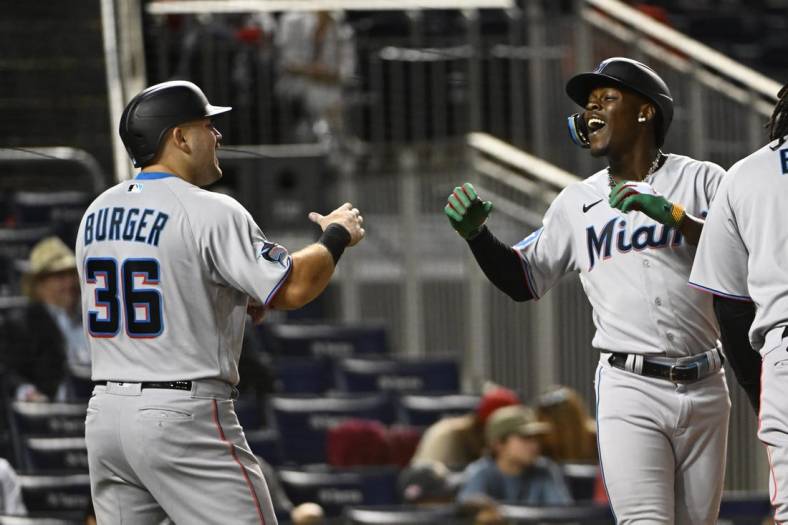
270 251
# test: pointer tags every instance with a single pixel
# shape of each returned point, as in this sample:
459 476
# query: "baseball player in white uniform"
168 273
662 401
740 261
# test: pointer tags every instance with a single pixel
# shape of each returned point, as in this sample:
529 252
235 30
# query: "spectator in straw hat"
514 472
46 340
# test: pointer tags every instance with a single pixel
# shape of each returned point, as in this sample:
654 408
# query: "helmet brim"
580 86
212 111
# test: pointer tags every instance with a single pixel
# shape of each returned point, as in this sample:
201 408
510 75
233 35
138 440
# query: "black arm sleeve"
735 318
501 265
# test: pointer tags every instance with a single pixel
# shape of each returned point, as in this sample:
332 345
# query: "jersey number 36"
142 307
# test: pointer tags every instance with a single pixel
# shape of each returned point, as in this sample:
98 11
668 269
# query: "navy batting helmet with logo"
630 74
155 110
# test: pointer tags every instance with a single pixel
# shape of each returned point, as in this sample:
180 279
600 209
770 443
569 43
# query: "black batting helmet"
630 74
155 110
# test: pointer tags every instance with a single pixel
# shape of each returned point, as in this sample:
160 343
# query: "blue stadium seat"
49 419
424 410
745 507
335 489
56 493
581 479
52 453
265 443
249 412
302 422
587 514
303 375
398 375
63 210
332 340
401 515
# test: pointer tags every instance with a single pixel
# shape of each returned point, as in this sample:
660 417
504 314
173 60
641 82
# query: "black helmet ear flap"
578 130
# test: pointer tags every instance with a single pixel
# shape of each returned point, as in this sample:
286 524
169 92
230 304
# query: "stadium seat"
55 493
303 375
62 209
53 453
400 515
587 514
398 375
581 479
744 507
303 422
332 340
424 410
335 489
265 443
49 419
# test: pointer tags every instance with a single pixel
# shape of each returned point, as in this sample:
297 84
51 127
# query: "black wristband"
335 238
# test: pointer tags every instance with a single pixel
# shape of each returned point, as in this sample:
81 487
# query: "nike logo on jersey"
587 207
600 245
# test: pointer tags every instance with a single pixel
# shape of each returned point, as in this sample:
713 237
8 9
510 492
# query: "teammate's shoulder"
684 164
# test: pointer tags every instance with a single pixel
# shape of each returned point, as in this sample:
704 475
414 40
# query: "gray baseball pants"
662 446
159 454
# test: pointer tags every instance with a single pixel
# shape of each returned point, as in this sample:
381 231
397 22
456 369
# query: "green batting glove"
466 211
626 198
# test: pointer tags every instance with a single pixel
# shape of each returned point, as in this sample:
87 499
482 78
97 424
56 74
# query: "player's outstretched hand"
640 196
466 211
347 216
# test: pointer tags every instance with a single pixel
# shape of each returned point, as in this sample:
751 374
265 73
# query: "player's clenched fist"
346 216
466 211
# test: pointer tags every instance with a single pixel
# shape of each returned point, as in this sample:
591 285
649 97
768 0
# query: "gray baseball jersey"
740 257
166 270
655 437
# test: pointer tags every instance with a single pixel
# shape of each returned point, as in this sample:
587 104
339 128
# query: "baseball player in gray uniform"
168 274
662 401
740 261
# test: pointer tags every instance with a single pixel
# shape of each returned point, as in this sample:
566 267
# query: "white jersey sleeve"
547 254
720 264
237 253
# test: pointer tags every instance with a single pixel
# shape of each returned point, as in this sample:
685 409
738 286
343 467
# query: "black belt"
676 373
170 385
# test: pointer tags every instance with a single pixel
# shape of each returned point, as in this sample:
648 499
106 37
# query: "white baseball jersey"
166 270
633 269
740 251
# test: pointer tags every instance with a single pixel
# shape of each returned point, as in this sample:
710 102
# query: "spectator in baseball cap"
457 441
513 471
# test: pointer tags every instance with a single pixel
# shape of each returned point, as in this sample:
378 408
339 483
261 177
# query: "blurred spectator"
457 441
573 435
427 483
46 342
357 442
304 514
514 472
12 503
316 58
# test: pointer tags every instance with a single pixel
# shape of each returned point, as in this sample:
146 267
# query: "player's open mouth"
595 124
